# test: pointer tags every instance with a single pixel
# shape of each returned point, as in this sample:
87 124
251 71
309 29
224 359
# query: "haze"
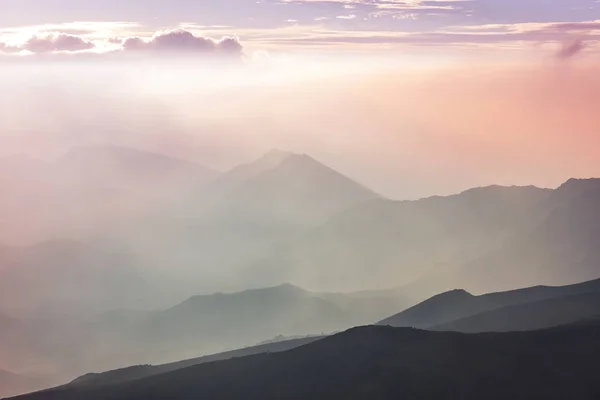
186 178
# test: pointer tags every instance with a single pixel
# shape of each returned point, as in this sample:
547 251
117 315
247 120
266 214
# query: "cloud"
7 49
173 42
49 43
56 42
183 42
570 49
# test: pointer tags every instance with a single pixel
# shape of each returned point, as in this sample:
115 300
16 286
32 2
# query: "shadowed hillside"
530 316
459 304
142 371
387 363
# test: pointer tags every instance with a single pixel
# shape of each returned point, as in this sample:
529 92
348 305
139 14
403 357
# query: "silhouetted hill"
530 316
459 304
386 363
142 371
222 321
385 241
445 307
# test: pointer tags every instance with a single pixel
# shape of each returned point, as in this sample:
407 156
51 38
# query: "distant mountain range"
289 218
121 235
207 323
385 363
485 239
89 190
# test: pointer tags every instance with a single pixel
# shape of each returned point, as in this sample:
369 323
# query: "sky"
303 25
412 98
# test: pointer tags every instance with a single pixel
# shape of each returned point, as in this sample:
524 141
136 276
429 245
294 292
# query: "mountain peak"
268 161
580 185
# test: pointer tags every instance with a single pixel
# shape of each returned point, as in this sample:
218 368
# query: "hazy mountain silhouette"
90 189
459 304
286 187
386 363
402 241
530 316
562 246
217 322
253 208
110 163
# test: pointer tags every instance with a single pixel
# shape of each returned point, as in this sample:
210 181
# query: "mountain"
386 363
254 208
89 190
224 321
382 241
220 322
142 371
285 187
530 316
560 247
459 304
133 167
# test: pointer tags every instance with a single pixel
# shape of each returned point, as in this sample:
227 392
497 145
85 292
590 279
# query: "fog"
132 192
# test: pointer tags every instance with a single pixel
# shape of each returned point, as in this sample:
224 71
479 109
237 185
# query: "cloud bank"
171 42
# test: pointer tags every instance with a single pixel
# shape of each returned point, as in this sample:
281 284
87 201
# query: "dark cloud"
570 48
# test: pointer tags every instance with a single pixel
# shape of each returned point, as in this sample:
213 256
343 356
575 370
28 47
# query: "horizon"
245 161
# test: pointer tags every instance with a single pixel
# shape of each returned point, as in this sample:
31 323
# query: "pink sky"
411 97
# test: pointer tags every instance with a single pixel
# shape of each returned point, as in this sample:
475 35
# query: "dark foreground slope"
143 371
387 363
